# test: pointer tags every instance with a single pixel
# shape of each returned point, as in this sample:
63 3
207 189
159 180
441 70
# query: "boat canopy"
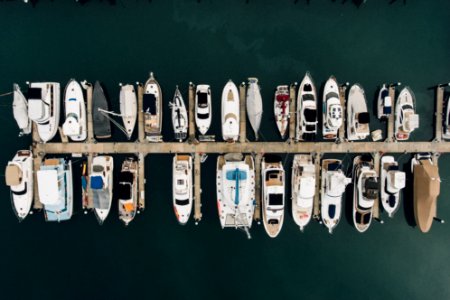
96 182
275 199
126 177
202 99
150 103
34 93
124 191
310 115
307 187
13 175
411 122
371 188
48 186
364 118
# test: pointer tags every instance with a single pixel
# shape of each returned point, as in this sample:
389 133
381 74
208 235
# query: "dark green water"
210 42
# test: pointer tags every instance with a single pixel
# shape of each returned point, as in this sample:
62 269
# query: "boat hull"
254 105
128 108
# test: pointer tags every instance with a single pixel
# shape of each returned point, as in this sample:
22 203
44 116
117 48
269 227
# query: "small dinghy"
75 125
331 110
358 117
128 108
153 112
230 112
306 110
406 119
203 111
392 181
182 187
179 116
20 111
384 103
281 108
254 105
102 125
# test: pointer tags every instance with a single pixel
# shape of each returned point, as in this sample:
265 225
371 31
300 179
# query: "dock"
197 189
141 130
292 112
439 113
257 212
242 117
317 167
37 160
376 204
191 110
90 197
391 119
341 132
141 181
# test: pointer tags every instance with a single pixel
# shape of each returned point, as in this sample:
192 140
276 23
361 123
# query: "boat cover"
102 125
96 182
149 104
236 175
48 187
124 191
13 175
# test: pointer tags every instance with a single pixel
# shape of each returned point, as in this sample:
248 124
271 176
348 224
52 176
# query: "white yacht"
358 117
179 116
19 177
306 110
127 191
254 105
384 104
128 108
20 111
281 108
203 110
55 187
392 181
406 119
273 194
101 183
333 186
75 126
152 106
365 191
303 189
43 108
331 109
446 125
182 187
230 112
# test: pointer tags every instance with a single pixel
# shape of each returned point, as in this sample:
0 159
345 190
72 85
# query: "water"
210 42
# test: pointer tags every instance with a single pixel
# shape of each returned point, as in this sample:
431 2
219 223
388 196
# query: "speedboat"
333 186
203 109
406 119
55 186
100 118
331 109
306 110
254 105
446 129
384 103
75 125
303 189
358 117
127 190
128 108
19 177
427 187
230 112
43 108
235 182
365 191
281 108
179 116
153 112
182 187
20 111
392 181
273 194
101 183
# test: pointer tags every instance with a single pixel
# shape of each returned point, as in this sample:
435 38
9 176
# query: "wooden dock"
197 189
257 212
141 130
316 207
439 113
191 110
242 117
376 204
90 196
37 160
391 119
341 132
141 181
292 112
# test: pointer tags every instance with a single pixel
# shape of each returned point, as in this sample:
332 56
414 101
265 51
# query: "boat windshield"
331 211
407 106
275 199
203 116
202 99
97 168
182 202
310 115
308 97
149 103
364 118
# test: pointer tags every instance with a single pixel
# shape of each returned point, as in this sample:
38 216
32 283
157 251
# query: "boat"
153 112
203 111
306 110
392 180
235 182
273 194
182 187
406 119
179 116
19 177
100 118
254 105
358 117
127 191
128 108
303 189
331 110
333 184
101 184
281 109
427 187
43 108
384 103
365 191
54 180
75 126
230 112
446 125
20 111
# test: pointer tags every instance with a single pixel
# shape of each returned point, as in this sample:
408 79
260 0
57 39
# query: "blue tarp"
96 182
233 175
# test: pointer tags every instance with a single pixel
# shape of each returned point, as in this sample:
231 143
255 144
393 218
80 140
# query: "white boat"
101 184
203 110
19 177
303 189
384 103
254 105
406 119
331 109
20 111
75 124
306 110
230 112
281 108
273 194
55 186
44 107
358 117
182 187
128 108
391 182
152 106
179 116
365 191
127 191
446 125
333 186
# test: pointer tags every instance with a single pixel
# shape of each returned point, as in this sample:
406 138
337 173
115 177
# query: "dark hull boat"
102 125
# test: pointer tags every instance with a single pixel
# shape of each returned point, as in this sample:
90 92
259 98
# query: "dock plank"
197 188
341 132
292 112
439 113
141 130
191 110
141 181
257 212
317 166
376 204
242 121
391 119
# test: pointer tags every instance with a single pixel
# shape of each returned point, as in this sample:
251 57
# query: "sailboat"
254 105
19 177
281 108
100 118
406 119
392 182
127 191
358 117
306 110
203 111
179 116
75 126
331 109
384 104
128 108
230 112
182 187
153 112
101 183
20 111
